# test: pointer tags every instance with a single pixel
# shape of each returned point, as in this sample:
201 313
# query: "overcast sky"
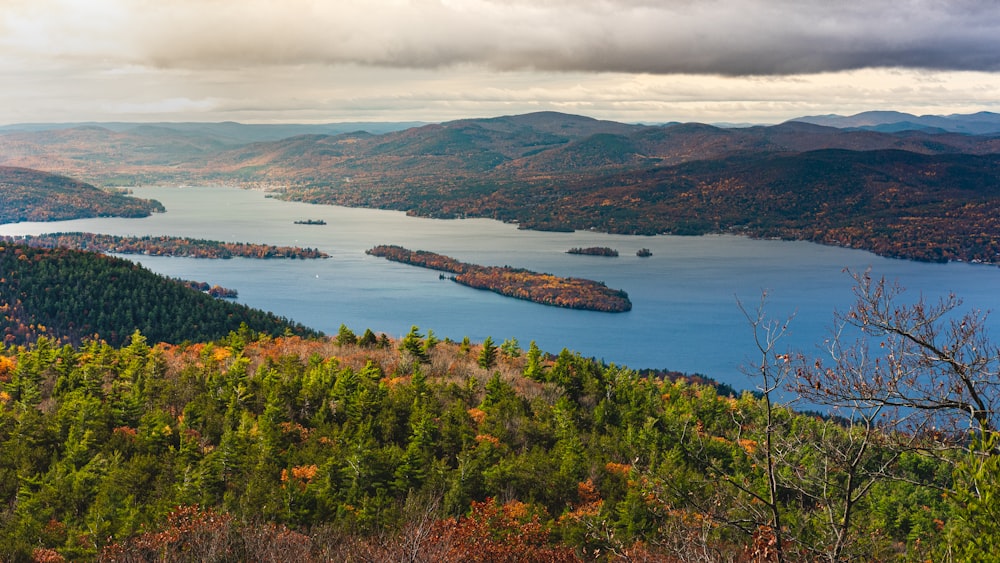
759 61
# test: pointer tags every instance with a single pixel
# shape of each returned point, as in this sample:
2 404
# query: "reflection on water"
684 317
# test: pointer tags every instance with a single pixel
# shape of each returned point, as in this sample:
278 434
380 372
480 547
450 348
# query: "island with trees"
594 251
163 246
213 290
547 289
310 222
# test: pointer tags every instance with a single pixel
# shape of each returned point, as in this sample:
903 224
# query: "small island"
643 253
546 289
213 290
310 222
163 246
594 251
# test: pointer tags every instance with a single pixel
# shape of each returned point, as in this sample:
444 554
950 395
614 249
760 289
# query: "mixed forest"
70 296
142 419
163 246
910 191
365 448
31 195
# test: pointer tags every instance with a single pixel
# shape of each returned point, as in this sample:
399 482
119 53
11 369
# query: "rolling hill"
917 193
31 195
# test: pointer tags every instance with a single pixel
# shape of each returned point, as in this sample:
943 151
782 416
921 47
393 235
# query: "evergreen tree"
533 366
510 348
413 345
368 339
345 337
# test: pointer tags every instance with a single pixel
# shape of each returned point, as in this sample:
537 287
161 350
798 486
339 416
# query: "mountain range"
981 123
919 192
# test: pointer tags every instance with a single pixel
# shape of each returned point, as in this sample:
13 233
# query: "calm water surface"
684 317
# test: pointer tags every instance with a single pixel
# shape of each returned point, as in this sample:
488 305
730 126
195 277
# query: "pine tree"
413 344
488 354
345 336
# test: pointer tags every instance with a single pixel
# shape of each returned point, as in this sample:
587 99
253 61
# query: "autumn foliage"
547 289
163 246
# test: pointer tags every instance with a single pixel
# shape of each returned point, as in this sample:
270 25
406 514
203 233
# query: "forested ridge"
32 195
71 295
913 194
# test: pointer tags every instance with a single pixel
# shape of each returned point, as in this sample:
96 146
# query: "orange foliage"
750 446
618 468
494 532
477 415
125 432
487 438
572 293
7 365
166 246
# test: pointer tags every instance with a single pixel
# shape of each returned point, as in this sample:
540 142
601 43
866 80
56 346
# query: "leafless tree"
928 368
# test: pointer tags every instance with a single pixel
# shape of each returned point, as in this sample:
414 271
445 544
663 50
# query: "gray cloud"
753 37
643 60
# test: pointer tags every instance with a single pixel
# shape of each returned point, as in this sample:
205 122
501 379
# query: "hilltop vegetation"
70 295
362 448
31 195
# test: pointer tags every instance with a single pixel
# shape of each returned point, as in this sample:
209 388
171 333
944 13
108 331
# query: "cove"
684 316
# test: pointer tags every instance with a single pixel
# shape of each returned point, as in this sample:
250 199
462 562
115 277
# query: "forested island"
163 246
594 251
310 222
213 290
547 289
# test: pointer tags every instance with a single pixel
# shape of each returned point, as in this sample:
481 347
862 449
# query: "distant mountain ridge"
885 191
981 123
230 131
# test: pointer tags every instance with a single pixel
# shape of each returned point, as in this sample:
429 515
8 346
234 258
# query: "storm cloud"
637 60
750 37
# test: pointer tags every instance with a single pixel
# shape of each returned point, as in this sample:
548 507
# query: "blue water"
685 315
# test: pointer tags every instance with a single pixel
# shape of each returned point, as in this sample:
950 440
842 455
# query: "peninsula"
163 246
571 293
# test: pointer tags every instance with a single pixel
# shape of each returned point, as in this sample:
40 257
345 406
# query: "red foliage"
196 534
493 532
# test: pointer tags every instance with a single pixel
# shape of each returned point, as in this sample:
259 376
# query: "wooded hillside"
31 195
71 295
362 448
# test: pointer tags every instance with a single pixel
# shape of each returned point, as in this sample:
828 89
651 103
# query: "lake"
684 317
